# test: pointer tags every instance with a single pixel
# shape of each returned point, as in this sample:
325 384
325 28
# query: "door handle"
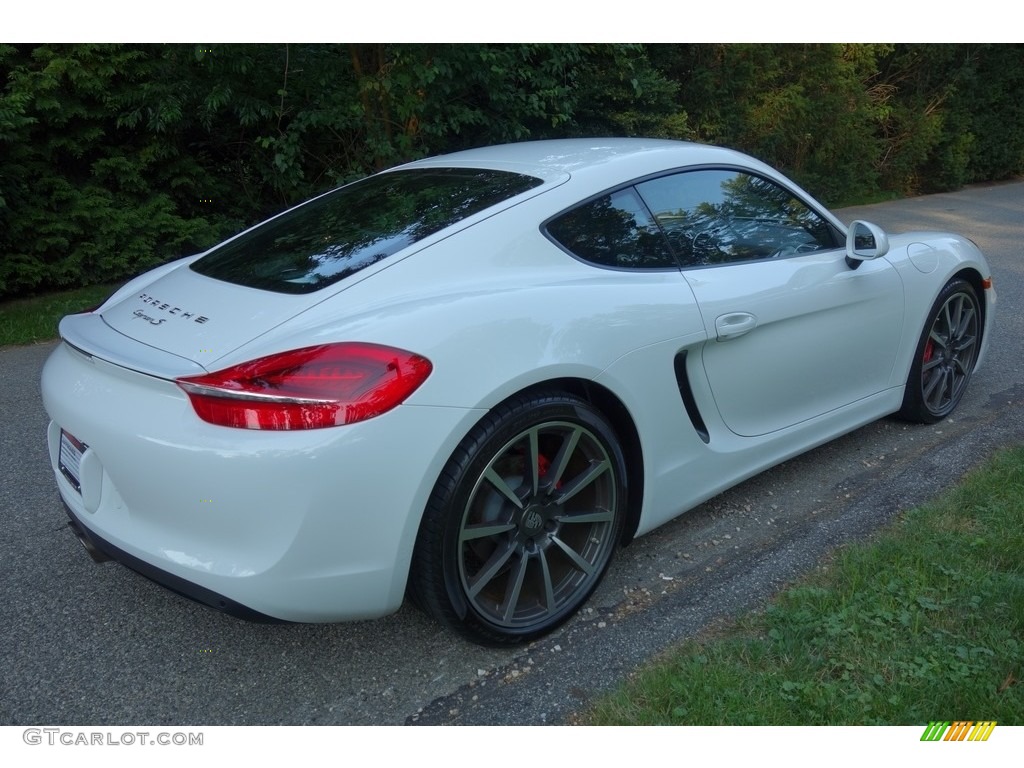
734 325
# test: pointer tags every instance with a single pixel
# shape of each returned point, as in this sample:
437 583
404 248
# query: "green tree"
84 199
805 109
114 158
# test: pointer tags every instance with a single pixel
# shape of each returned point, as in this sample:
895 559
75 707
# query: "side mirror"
865 241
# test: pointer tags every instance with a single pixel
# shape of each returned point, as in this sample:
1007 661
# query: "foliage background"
114 158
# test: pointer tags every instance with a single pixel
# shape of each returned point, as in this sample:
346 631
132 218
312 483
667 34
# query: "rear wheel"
523 522
946 354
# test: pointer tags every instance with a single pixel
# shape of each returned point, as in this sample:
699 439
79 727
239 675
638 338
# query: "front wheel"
523 521
945 355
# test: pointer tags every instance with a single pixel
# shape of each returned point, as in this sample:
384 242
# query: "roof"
597 157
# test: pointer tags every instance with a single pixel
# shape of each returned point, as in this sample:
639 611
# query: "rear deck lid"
199 318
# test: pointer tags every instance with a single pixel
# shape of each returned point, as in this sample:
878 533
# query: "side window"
614 231
722 217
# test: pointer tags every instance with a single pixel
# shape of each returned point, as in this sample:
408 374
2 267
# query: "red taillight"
309 388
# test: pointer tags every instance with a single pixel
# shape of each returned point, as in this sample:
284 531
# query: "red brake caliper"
543 465
929 350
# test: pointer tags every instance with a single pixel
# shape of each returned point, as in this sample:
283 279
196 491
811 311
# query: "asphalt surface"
90 644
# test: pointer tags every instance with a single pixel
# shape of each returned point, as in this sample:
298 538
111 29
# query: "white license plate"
71 450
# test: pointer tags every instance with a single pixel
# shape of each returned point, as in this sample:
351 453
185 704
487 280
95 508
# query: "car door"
793 331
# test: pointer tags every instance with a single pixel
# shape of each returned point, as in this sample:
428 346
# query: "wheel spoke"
942 388
950 386
963 344
950 325
565 452
581 481
965 321
576 557
549 589
494 564
533 460
502 487
483 530
932 385
514 589
597 516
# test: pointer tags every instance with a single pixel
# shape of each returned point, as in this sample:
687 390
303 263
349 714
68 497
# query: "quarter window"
616 230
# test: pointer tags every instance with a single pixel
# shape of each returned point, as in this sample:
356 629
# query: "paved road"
96 644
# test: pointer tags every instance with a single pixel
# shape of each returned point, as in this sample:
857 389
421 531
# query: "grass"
28 321
924 623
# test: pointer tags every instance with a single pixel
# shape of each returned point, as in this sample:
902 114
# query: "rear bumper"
100 550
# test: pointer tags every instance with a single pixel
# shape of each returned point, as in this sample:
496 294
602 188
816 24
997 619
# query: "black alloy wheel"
523 522
946 355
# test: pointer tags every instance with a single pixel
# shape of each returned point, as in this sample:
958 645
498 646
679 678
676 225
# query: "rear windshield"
337 235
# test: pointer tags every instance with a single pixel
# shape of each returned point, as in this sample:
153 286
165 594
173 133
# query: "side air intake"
689 402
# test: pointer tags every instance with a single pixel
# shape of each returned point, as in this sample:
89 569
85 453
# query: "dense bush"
114 158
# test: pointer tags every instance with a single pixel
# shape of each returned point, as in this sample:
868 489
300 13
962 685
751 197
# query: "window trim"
838 237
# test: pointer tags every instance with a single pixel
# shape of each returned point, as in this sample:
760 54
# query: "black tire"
523 521
945 355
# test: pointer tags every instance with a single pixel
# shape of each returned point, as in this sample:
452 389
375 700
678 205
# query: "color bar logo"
961 730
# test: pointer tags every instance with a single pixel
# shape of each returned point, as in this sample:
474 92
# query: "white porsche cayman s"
470 378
